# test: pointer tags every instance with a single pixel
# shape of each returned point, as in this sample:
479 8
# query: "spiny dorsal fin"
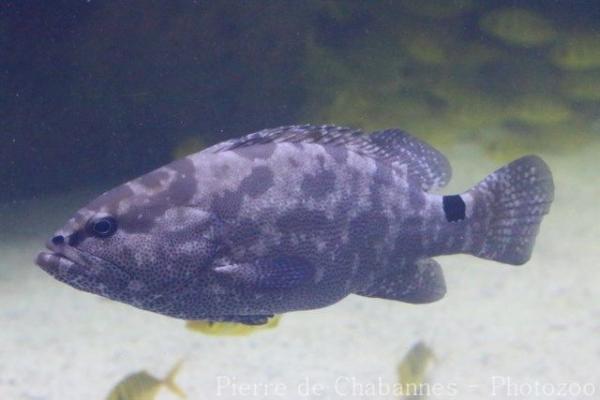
393 146
323 134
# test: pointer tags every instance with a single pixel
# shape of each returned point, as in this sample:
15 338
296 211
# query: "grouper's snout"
80 269
55 261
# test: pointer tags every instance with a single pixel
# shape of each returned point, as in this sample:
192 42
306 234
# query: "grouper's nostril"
58 240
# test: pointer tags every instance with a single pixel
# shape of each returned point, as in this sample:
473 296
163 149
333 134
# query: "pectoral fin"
270 273
420 282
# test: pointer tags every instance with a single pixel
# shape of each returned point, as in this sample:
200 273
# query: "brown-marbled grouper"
294 218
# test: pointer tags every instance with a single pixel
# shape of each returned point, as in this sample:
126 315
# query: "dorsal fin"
393 146
426 164
323 134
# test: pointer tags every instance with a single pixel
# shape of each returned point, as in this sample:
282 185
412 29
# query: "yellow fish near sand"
143 386
230 328
413 369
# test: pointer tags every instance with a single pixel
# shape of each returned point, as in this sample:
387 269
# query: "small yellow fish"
229 328
143 386
413 369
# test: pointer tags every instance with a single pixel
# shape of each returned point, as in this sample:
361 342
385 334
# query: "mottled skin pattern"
288 219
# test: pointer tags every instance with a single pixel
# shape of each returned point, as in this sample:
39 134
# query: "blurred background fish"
413 371
143 386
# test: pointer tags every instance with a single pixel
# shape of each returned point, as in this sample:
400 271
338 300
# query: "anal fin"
417 283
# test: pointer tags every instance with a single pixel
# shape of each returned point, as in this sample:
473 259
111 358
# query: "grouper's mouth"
54 263
81 270
61 260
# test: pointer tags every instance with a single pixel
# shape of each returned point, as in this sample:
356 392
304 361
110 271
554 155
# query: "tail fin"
169 380
508 207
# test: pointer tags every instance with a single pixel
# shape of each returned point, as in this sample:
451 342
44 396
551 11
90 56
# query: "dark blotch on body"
317 186
76 238
302 219
152 180
321 160
383 175
221 171
410 237
227 204
244 233
338 153
366 231
257 151
375 197
258 182
416 199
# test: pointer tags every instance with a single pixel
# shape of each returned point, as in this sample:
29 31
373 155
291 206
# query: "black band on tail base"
454 208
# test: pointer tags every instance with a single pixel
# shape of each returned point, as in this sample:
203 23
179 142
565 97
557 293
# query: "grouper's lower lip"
54 263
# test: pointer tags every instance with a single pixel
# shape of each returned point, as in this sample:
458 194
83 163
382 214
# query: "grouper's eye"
102 227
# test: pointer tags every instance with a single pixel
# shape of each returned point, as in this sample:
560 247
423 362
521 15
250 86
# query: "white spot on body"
344 237
187 248
355 265
321 246
319 273
347 285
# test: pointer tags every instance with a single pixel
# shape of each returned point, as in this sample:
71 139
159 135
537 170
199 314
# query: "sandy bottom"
501 331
